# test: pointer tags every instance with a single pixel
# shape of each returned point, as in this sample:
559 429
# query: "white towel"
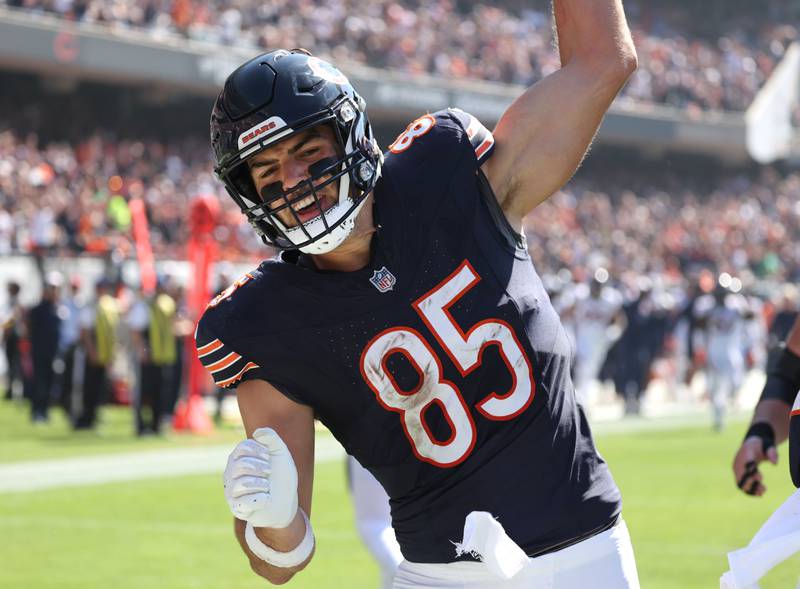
486 539
777 540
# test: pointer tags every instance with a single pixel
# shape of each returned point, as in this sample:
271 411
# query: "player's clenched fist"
758 446
261 481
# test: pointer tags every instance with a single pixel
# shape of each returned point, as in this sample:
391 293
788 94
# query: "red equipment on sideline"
190 414
144 253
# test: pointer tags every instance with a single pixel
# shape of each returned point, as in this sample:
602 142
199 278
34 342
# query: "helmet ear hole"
243 183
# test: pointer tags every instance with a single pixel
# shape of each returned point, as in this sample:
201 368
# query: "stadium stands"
71 159
63 199
499 42
645 219
69 198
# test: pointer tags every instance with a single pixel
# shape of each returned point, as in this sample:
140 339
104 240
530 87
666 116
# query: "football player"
723 318
776 418
404 312
596 313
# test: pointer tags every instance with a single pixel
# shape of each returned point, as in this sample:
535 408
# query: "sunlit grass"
680 503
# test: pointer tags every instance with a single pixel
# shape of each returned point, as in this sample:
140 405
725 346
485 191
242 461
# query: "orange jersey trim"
233 379
209 348
226 362
487 143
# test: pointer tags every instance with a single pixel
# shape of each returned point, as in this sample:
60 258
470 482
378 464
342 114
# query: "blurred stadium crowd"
68 199
61 198
668 220
680 62
121 345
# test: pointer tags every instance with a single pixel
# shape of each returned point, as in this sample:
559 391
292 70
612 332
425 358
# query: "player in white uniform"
595 313
756 333
723 316
563 299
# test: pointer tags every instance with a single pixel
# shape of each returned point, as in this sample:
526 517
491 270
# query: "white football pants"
374 520
604 561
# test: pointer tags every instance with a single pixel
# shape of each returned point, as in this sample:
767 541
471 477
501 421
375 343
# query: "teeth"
303 203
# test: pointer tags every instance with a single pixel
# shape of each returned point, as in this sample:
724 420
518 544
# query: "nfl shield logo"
383 280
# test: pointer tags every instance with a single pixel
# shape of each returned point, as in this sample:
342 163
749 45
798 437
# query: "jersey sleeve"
227 367
480 138
439 140
794 442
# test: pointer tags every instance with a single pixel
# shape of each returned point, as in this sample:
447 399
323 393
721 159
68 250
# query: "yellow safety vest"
163 346
105 327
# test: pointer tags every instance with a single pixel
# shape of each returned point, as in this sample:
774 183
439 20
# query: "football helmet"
271 98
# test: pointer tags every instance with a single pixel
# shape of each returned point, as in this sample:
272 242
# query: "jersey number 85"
465 351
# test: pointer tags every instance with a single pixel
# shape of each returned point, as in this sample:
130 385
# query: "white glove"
261 481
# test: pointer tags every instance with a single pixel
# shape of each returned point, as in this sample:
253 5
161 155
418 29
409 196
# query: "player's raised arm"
770 424
269 479
542 137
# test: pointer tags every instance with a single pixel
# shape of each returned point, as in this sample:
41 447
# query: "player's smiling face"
281 167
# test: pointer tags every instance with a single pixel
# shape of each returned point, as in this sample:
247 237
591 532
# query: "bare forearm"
775 413
593 30
282 540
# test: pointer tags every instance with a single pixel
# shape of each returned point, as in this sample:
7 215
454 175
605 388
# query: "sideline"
37 475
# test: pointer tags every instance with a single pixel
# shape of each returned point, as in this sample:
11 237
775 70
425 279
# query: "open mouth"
310 208
303 205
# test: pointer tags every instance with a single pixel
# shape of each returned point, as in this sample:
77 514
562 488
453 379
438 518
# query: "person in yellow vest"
99 323
152 325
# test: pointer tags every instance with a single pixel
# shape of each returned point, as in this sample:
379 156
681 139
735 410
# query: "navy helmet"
271 98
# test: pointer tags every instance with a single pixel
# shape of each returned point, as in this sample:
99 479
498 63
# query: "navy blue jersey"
441 366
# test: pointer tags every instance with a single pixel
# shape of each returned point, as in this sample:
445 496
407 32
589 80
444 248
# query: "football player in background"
595 314
770 425
723 319
404 313
776 418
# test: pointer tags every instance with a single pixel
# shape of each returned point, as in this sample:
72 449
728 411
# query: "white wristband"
281 559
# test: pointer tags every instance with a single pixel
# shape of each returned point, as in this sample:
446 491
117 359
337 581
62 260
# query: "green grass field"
19 440
680 504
